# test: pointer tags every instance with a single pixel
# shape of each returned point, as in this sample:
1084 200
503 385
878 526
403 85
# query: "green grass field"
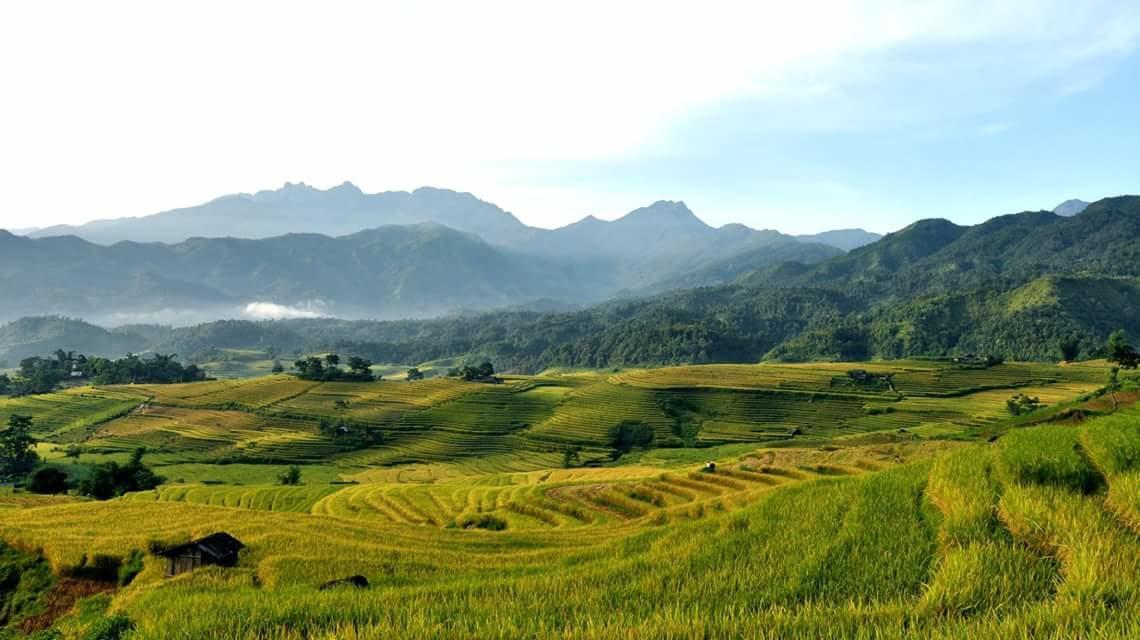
834 512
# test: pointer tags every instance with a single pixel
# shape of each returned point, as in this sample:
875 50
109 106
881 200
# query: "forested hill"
934 256
722 324
1019 286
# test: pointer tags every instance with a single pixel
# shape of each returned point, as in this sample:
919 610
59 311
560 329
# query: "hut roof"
216 545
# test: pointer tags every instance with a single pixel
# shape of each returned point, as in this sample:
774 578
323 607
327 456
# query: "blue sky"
796 116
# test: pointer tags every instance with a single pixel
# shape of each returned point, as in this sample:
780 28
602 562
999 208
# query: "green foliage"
110 479
414 374
42 375
1121 351
571 457
626 435
482 372
17 448
1069 347
114 627
483 521
25 580
131 567
351 435
327 370
291 476
48 480
1022 404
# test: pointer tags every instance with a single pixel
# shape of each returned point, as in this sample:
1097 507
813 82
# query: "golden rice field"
833 512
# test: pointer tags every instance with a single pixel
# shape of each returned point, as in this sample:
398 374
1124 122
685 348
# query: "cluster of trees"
18 458
1022 404
328 368
352 435
481 373
111 479
44 375
626 435
291 476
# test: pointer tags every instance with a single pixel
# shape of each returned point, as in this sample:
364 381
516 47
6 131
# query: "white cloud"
126 108
272 311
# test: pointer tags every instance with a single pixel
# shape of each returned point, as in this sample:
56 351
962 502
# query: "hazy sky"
799 115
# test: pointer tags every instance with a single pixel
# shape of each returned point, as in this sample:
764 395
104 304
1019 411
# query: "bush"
110 480
109 628
291 476
48 481
484 521
627 434
1022 404
131 567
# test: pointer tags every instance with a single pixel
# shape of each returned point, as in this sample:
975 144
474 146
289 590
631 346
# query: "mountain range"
1018 285
345 209
388 255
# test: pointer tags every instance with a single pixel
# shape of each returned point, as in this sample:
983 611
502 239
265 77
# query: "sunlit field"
834 510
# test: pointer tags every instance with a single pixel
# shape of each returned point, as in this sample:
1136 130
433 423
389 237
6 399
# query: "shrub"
291 476
484 521
48 481
109 628
1022 404
627 434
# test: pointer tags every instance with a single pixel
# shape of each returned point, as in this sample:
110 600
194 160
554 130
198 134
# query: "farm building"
218 549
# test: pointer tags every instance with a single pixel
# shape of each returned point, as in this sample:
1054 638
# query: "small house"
219 549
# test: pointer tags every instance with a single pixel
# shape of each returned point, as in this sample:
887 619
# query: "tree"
415 374
5 384
291 476
1121 351
278 367
628 434
112 479
359 366
570 457
469 373
73 451
48 481
332 360
1022 404
17 448
1070 348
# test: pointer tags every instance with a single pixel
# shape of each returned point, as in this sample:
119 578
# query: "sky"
799 116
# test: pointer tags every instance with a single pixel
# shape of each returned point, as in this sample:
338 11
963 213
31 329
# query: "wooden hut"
217 549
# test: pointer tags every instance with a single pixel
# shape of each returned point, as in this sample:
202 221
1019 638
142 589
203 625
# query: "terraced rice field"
504 427
63 415
915 539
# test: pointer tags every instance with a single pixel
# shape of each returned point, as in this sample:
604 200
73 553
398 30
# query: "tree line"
328 369
44 375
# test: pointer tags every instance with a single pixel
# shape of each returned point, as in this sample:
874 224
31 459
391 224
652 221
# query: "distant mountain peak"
672 212
1070 207
348 187
845 239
